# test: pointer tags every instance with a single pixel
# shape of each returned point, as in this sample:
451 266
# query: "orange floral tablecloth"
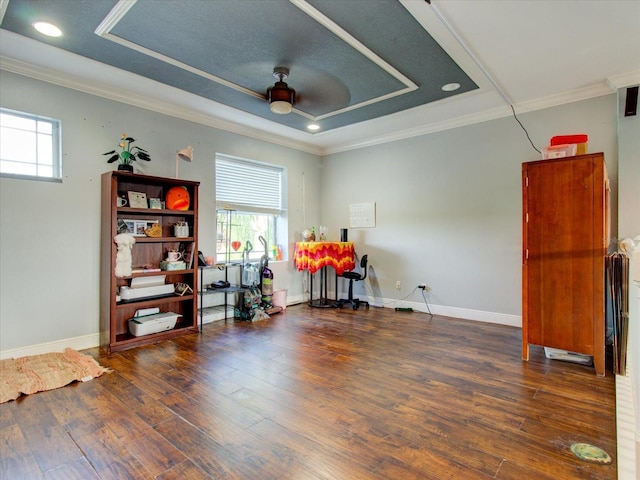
312 256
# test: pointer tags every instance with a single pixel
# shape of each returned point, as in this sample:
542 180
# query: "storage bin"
580 141
559 151
181 231
279 299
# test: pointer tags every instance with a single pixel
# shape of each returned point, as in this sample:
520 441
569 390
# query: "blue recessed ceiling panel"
349 60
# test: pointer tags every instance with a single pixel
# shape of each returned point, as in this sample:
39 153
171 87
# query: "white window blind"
248 186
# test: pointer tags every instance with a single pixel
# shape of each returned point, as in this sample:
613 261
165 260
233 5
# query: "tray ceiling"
353 63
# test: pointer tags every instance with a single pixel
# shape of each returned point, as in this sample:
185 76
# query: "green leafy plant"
128 154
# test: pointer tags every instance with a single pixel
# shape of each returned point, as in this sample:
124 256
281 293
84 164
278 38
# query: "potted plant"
128 154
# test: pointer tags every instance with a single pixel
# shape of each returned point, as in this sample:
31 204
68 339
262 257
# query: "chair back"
363 266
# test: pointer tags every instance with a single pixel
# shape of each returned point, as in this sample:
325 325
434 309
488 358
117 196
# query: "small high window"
29 146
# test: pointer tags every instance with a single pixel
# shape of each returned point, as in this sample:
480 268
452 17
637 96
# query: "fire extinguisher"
266 276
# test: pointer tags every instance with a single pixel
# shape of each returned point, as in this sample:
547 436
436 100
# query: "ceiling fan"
281 98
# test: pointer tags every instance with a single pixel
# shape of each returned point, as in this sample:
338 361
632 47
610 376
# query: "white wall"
629 171
49 232
629 220
449 205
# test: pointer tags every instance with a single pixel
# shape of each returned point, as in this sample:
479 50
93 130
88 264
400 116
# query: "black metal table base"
322 301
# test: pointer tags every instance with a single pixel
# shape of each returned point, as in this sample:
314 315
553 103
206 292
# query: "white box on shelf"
155 323
170 266
150 281
127 293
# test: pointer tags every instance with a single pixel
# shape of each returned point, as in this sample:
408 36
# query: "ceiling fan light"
281 98
281 107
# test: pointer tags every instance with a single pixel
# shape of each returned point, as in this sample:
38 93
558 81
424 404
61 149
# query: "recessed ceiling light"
313 126
47 29
450 87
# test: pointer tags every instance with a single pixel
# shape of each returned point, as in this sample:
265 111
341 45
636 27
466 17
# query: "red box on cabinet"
579 139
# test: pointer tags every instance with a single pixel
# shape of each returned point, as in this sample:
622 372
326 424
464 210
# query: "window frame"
227 231
56 147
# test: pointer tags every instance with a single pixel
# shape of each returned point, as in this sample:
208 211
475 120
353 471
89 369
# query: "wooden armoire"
565 237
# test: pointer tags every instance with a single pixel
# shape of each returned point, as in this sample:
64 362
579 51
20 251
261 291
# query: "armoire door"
564 245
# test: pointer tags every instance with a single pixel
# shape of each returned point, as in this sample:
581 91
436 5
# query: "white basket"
181 231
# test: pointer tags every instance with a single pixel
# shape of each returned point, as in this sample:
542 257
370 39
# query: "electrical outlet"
423 286
398 285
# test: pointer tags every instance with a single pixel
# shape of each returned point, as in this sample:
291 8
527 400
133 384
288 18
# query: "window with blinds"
250 208
248 186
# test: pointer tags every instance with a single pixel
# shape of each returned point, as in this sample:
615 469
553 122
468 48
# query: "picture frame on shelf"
139 229
187 253
182 288
126 225
155 203
137 199
139 226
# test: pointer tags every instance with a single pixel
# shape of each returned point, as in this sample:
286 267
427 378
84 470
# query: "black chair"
354 276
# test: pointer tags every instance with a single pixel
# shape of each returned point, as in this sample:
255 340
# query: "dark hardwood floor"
319 394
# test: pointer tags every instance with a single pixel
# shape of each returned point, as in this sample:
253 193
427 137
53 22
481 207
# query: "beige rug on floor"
37 373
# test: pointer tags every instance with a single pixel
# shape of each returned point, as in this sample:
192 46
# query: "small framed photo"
140 226
137 227
182 288
155 203
137 200
126 225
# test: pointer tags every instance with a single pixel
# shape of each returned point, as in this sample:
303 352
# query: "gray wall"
449 207
49 232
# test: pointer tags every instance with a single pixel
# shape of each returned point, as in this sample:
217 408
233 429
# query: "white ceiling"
532 54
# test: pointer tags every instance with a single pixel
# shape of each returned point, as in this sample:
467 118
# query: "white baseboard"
296 299
93 340
77 343
456 312
477 315
444 310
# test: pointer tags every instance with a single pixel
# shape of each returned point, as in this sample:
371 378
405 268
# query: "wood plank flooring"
319 394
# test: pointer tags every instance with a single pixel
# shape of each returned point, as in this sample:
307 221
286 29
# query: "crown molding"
624 80
577 95
425 129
